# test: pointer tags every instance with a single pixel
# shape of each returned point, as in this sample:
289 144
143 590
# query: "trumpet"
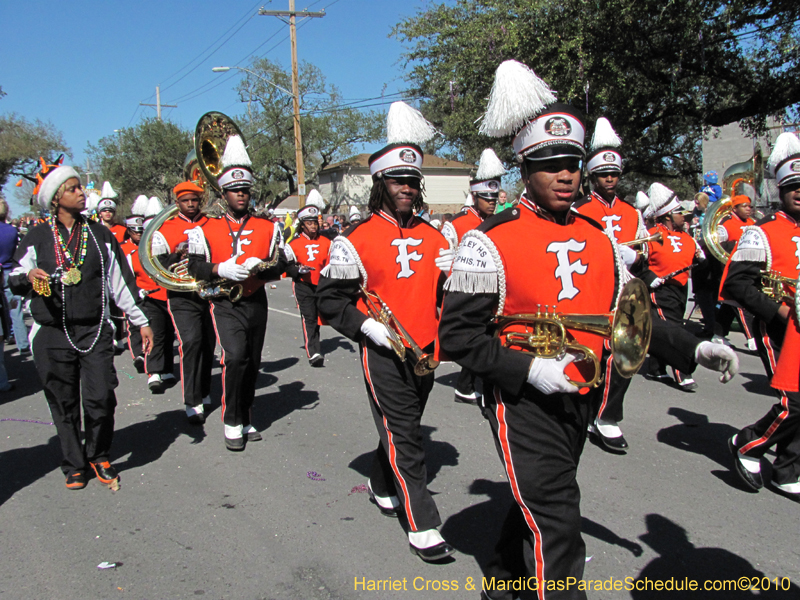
424 363
628 329
778 287
656 237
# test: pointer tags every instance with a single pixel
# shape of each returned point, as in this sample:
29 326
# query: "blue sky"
85 65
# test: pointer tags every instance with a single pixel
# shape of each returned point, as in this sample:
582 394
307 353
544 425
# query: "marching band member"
135 226
669 262
729 231
246 249
623 223
310 251
481 204
355 215
772 245
538 254
159 363
75 268
107 211
190 314
401 258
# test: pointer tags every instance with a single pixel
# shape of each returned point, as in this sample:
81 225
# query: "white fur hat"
54 180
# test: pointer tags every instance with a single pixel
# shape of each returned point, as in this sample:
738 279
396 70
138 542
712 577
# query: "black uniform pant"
725 316
613 391
780 427
669 304
540 440
160 359
241 327
397 398
465 384
705 285
71 378
306 296
191 317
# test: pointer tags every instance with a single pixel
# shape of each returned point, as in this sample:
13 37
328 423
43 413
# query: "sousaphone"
210 138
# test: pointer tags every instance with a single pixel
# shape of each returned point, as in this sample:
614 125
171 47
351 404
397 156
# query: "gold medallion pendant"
71 277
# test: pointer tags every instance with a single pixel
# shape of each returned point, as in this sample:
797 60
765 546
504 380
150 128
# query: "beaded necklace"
66 261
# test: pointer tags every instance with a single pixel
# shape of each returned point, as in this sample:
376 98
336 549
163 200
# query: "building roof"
428 161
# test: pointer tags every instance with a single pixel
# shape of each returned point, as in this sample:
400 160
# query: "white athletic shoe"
751 344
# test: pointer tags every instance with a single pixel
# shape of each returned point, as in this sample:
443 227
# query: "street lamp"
298 138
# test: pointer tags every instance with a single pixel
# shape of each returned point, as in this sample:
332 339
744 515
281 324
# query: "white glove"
717 357
445 259
251 263
377 332
547 375
657 282
230 270
629 255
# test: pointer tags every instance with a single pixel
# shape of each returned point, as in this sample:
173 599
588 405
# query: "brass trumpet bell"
628 330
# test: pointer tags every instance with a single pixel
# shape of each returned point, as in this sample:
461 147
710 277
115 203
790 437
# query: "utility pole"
158 104
298 137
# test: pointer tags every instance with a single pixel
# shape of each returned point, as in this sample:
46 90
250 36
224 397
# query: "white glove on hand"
547 375
629 255
717 357
377 332
657 282
445 259
251 263
304 270
230 270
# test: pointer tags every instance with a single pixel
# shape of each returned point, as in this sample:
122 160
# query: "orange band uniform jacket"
676 251
527 261
460 224
395 262
620 220
143 280
310 253
220 239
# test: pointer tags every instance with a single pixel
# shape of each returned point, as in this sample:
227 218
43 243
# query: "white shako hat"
604 156
134 222
355 214
108 191
406 129
642 201
486 182
523 105
51 182
139 208
154 206
784 162
308 213
237 168
314 198
663 200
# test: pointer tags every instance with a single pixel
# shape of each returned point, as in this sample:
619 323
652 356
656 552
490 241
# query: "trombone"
628 329
424 364
656 237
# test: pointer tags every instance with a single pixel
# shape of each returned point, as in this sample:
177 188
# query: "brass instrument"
656 237
628 328
398 336
210 137
778 287
749 172
191 169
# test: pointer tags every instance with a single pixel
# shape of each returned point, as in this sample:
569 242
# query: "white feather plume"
406 125
92 200
489 166
468 201
139 207
235 154
517 95
786 145
604 135
314 198
642 201
108 191
659 195
154 206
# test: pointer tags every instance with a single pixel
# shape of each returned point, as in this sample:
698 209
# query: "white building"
348 183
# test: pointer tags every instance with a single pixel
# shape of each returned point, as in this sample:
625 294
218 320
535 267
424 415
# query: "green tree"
145 159
330 130
22 142
664 73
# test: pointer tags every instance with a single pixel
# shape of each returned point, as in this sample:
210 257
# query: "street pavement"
289 518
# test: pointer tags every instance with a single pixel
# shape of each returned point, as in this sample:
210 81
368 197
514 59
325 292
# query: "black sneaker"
104 471
76 481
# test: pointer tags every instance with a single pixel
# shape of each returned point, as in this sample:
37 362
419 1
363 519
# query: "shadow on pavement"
147 441
329 345
697 435
278 365
273 406
22 467
679 558
437 455
758 384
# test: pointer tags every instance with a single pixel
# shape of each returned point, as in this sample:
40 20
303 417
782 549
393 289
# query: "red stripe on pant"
222 360
392 451
773 361
180 348
771 429
512 478
302 321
